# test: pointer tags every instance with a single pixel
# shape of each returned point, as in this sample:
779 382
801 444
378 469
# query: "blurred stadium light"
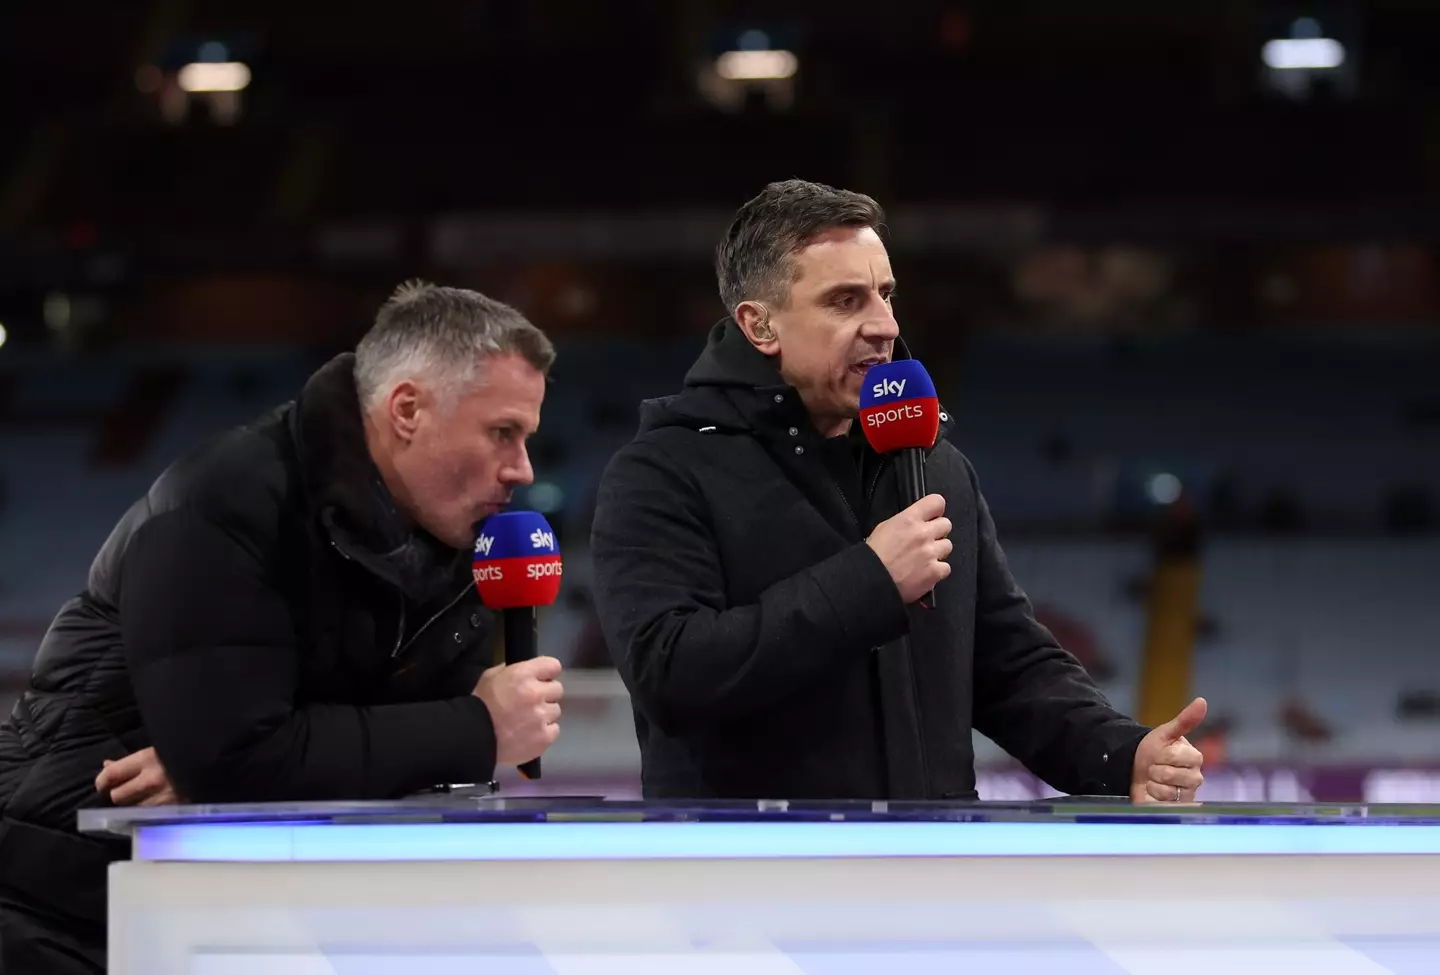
200 76
756 65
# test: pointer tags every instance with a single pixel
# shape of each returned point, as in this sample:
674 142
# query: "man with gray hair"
287 614
759 570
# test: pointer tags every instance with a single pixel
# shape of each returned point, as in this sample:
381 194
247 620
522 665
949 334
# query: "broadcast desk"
449 884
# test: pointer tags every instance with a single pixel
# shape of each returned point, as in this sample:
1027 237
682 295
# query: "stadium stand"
1277 633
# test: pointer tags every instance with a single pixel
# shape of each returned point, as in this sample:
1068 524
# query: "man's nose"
519 471
882 325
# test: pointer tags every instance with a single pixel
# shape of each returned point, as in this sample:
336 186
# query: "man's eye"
505 434
845 302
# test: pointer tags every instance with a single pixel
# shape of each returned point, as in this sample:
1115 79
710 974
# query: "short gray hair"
444 333
756 258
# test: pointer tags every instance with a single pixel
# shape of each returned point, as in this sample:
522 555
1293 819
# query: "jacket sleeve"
1033 698
212 654
687 656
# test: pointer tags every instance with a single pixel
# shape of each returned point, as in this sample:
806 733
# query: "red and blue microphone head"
898 407
517 561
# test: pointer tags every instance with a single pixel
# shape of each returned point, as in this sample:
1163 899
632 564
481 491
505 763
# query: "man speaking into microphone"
798 614
289 613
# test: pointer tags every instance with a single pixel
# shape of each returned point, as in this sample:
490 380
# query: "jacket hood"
346 491
728 387
341 479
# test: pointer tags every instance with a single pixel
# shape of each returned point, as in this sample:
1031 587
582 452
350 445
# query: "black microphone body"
910 470
521 633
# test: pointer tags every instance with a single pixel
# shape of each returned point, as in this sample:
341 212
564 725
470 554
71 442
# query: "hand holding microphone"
524 704
900 416
517 567
913 545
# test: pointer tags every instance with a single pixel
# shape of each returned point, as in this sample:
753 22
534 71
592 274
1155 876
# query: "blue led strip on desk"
238 842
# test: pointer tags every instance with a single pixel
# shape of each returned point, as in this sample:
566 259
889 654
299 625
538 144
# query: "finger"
943 569
164 797
943 548
133 764
1161 792
550 712
114 772
1186 721
147 783
552 732
1171 777
551 691
107 779
542 668
133 791
939 528
1182 754
928 508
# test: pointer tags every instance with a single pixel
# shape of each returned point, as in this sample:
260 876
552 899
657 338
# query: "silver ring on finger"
1177 793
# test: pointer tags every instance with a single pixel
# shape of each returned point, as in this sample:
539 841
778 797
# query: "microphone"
900 415
516 568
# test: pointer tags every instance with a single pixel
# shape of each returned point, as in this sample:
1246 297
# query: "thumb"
542 668
1186 721
930 507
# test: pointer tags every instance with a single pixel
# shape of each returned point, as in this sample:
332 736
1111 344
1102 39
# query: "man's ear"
402 409
754 320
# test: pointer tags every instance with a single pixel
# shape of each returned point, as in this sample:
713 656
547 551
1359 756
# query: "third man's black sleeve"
1032 697
212 657
685 655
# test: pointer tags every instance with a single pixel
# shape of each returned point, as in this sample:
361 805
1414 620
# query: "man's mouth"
864 364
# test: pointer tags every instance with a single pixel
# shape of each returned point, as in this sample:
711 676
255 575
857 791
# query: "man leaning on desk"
288 614
758 584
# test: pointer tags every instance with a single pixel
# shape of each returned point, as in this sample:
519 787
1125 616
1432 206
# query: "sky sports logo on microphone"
495 572
517 561
895 414
888 387
898 406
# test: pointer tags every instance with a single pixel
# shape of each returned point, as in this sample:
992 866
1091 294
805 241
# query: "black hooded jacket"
765 647
266 620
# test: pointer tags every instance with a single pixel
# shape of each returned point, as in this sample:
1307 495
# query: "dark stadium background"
1173 265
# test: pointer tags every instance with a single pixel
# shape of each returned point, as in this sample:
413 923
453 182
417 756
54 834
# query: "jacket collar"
344 489
735 387
730 360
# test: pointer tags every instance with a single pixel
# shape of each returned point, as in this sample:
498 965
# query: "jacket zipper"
399 629
401 644
914 681
879 469
426 625
846 502
920 726
875 481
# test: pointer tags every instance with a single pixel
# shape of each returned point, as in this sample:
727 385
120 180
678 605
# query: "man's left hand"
138 779
1167 766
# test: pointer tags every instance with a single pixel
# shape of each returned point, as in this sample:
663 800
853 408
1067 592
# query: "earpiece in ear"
763 331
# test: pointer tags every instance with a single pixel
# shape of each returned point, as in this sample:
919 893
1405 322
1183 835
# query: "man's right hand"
913 545
524 703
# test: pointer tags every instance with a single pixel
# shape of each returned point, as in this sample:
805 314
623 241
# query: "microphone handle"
521 632
910 469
